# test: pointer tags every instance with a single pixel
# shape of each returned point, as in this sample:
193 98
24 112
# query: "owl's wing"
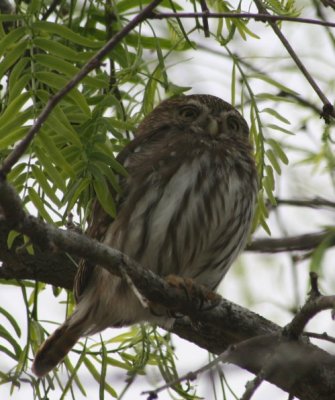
98 225
100 221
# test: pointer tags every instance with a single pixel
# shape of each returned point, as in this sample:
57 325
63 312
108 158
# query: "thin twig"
328 109
50 10
328 3
320 13
251 386
317 202
292 243
314 304
205 10
18 151
321 336
256 16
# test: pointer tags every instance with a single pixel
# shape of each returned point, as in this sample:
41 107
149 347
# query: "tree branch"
314 304
304 242
317 202
235 15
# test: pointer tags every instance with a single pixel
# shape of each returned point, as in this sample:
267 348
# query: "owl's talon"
206 298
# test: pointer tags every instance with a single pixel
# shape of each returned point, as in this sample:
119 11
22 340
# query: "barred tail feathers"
56 347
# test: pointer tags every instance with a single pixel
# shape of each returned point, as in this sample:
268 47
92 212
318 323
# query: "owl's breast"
184 221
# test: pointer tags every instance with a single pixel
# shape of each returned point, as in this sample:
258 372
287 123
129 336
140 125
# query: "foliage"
72 158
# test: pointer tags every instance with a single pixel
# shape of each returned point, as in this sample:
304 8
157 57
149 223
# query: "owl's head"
197 114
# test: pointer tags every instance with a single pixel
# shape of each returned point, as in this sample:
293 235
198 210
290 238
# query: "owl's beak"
213 127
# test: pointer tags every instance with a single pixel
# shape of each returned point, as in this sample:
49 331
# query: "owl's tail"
56 347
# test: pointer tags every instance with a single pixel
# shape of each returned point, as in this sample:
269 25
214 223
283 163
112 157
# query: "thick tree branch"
212 327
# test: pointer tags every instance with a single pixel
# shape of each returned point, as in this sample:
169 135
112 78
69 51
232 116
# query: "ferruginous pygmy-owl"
186 209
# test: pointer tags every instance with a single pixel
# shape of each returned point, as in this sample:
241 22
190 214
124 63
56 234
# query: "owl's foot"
199 295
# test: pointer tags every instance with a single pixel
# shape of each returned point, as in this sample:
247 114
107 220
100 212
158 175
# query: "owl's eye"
189 112
233 123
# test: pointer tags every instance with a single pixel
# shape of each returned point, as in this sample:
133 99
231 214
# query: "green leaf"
55 124
11 238
104 196
66 33
244 30
17 70
38 203
12 56
56 81
273 160
14 123
44 184
262 213
280 129
12 137
152 42
273 82
11 17
53 152
4 350
60 50
320 251
269 184
9 338
93 371
11 39
102 383
60 120
108 158
74 375
17 171
34 7
276 114
13 108
74 191
19 86
109 174
51 170
36 332
150 91
274 97
59 65
11 320
278 150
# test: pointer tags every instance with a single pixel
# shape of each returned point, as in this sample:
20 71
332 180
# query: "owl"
186 209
